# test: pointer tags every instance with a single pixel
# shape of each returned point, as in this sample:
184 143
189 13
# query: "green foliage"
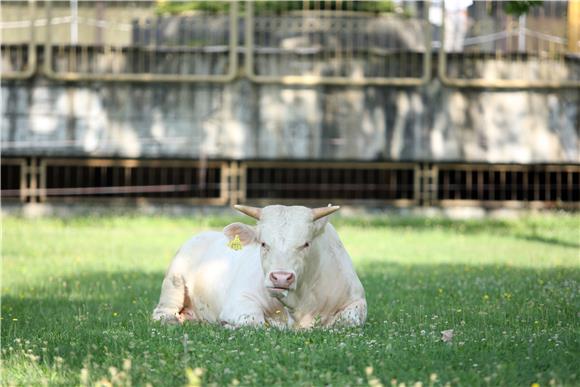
277 7
179 7
520 7
77 295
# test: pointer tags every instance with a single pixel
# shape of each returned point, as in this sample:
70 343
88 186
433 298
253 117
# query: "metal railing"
336 43
294 42
141 46
261 182
494 49
14 182
192 182
18 54
337 182
507 185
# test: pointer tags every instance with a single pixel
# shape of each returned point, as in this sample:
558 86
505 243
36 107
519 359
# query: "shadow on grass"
107 315
549 240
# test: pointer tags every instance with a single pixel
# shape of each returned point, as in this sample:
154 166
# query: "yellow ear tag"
236 243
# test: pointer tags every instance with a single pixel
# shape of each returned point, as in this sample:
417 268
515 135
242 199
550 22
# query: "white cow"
291 270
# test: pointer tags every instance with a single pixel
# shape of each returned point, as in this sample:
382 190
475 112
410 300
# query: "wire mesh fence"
131 41
18 49
337 42
487 45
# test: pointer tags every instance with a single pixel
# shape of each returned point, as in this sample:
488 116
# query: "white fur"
231 287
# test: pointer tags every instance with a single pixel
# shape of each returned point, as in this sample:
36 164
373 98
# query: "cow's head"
286 236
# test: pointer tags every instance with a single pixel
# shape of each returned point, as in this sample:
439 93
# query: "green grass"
77 295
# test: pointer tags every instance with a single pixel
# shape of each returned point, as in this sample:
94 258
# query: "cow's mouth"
278 292
278 289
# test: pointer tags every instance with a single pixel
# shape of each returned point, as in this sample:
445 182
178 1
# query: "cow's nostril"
290 278
273 277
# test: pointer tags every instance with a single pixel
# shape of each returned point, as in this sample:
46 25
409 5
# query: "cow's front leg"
245 312
174 306
353 315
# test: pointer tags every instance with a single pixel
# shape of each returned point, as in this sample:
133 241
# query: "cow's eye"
263 244
307 244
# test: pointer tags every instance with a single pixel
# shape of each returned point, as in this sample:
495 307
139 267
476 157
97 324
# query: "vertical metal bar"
468 183
23 181
502 192
224 190
127 178
558 185
420 191
434 187
242 176
525 184
536 184
480 185
42 171
446 184
513 185
492 184
570 185
33 180
547 193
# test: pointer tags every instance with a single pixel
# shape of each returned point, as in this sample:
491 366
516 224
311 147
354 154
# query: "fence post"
574 25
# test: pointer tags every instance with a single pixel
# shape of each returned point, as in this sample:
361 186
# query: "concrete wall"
246 120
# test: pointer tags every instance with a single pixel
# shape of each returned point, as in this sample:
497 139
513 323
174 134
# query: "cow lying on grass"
290 270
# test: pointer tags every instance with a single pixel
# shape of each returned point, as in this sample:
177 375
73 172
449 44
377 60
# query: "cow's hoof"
166 318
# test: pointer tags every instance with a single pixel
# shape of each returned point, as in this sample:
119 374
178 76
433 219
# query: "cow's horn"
254 212
320 212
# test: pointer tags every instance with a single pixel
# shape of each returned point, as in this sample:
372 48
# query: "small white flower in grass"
84 377
194 377
447 335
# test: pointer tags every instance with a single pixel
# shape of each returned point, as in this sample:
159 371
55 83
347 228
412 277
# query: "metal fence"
337 42
294 42
504 185
396 184
18 51
151 47
489 47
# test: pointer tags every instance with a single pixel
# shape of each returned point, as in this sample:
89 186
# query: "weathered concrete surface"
246 120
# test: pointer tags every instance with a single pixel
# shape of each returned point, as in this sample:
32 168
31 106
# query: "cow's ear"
319 225
247 234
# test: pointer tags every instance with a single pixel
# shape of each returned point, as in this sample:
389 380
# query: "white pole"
522 33
74 23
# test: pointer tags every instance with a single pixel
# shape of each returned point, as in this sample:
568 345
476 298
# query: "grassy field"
77 295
